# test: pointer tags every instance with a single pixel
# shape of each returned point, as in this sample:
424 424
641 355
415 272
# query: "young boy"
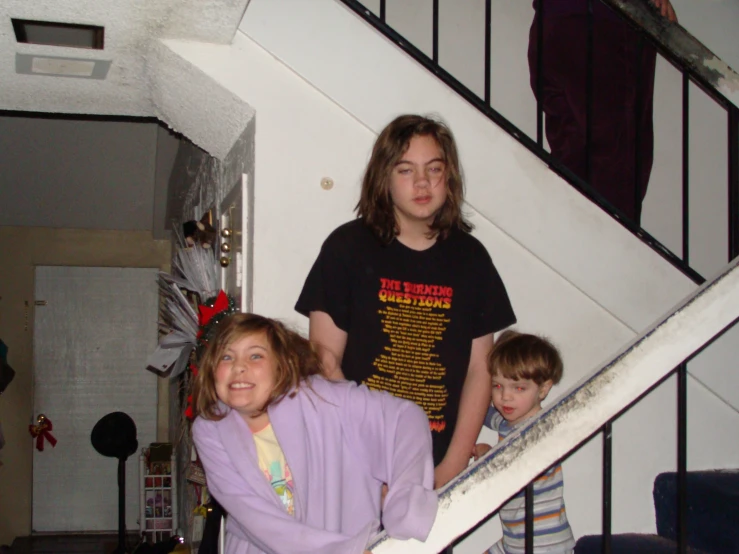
523 369
404 299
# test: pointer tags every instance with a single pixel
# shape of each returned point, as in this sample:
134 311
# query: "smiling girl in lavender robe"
297 461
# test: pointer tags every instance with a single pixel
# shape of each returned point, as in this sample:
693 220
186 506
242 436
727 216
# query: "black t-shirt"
410 316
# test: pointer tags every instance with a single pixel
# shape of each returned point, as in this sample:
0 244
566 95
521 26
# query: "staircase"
694 509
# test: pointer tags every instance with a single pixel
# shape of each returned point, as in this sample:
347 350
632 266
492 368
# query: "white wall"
462 47
712 22
366 76
321 91
301 137
84 174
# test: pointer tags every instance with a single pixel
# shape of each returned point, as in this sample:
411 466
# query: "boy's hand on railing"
480 450
666 9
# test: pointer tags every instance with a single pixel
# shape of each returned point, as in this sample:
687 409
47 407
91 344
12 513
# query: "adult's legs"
623 85
647 59
561 72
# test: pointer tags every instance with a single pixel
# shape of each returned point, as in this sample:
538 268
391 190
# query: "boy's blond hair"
523 356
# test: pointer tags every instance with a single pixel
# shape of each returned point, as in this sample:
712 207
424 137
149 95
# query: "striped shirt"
552 532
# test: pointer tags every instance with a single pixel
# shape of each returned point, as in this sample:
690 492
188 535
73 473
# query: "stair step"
630 543
712 517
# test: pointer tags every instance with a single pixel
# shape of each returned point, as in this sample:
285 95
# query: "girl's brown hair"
375 204
521 356
294 356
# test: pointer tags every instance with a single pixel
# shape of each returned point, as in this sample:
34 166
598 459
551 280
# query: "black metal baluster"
539 69
529 519
682 456
638 137
589 95
488 46
607 487
686 168
382 11
733 182
435 31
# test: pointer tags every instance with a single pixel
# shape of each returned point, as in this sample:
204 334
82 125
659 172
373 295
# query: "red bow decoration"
189 412
206 313
41 431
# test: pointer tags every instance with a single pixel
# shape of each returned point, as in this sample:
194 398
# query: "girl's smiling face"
245 378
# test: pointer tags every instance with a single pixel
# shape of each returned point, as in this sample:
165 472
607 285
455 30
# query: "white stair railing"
583 410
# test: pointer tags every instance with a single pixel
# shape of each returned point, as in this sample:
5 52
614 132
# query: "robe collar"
288 424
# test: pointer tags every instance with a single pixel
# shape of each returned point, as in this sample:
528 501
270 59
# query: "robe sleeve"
258 520
391 437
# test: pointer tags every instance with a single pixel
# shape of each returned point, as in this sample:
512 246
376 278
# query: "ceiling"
53 168
131 29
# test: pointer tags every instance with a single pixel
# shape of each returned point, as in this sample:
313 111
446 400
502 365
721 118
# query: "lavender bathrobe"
341 442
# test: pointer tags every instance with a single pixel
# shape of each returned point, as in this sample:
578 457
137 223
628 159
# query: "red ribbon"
206 313
41 431
189 411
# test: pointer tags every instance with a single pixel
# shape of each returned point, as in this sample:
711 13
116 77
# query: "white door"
93 330
236 245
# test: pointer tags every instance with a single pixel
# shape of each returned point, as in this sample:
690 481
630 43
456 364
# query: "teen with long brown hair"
403 298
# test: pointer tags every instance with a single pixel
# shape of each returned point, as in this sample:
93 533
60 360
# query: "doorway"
93 329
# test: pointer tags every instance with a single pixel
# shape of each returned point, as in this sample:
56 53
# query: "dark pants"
211 532
622 137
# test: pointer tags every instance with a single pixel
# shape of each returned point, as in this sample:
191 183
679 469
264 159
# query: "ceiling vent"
68 35
51 33
32 64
